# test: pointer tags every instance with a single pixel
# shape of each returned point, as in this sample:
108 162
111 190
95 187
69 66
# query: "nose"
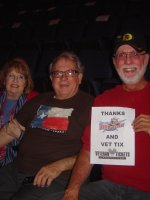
128 59
64 76
16 78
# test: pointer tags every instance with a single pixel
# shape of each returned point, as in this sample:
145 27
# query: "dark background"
38 30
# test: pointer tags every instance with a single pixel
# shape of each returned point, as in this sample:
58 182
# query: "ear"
4 83
50 77
80 77
114 61
147 57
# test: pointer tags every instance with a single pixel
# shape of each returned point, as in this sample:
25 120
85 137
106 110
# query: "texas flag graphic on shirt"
52 118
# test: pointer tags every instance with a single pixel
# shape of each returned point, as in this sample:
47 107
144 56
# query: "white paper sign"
112 136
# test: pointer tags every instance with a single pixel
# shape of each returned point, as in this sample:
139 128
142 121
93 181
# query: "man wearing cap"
122 182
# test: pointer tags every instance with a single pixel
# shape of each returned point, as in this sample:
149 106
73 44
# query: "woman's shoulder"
32 94
40 96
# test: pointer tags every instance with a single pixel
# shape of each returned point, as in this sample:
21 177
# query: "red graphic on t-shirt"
56 123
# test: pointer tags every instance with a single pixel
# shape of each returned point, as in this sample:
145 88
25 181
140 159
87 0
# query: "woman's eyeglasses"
13 77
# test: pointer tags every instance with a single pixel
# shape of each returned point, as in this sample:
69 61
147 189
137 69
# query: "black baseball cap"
136 40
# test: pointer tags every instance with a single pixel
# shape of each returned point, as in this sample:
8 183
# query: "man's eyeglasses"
68 73
13 77
131 55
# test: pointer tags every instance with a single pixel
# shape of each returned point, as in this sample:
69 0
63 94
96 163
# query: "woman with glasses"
16 88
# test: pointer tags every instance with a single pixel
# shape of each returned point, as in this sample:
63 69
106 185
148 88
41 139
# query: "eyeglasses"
13 77
131 55
68 73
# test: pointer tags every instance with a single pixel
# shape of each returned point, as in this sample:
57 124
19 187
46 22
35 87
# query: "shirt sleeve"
86 138
32 94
